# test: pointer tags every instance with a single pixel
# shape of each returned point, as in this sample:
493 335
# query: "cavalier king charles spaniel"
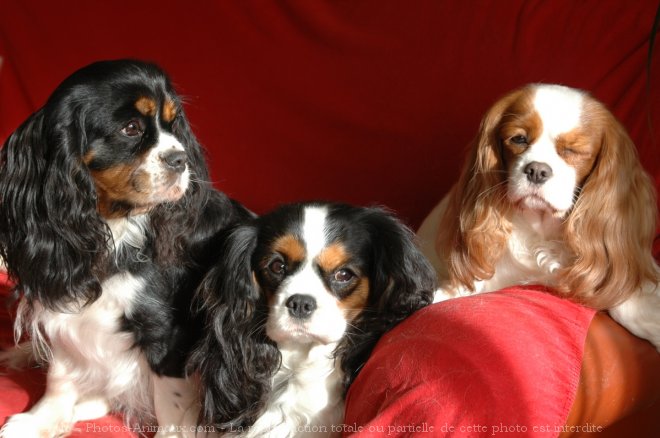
295 306
106 224
553 193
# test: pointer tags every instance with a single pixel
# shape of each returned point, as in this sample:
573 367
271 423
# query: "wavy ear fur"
52 239
474 228
236 360
613 250
402 281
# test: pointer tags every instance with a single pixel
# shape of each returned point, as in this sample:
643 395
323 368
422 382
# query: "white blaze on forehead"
313 230
559 107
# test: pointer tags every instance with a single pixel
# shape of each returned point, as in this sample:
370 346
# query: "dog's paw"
27 425
639 314
91 409
168 432
441 295
444 293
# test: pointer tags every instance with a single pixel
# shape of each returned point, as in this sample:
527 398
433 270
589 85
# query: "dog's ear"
52 239
235 360
613 222
473 229
402 281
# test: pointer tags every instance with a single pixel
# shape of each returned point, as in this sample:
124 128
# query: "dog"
294 308
106 216
552 193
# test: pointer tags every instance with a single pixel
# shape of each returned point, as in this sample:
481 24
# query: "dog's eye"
343 276
132 129
277 267
519 140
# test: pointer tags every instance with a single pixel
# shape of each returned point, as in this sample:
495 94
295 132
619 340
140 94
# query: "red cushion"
505 362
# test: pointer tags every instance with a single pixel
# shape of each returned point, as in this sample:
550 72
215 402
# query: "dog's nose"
538 173
175 159
301 306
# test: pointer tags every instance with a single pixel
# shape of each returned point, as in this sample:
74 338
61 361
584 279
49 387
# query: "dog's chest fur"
534 253
307 395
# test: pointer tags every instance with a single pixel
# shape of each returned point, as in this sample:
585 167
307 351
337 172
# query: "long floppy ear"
402 281
612 225
52 239
236 360
473 229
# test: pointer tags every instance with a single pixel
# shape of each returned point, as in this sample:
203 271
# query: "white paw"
441 295
28 426
90 409
168 432
639 314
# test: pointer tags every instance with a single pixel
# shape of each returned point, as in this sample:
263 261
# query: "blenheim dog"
553 193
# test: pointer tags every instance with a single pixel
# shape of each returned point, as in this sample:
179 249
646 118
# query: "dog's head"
315 284
112 141
121 118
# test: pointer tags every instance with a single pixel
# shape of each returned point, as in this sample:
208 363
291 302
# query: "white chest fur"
535 252
307 396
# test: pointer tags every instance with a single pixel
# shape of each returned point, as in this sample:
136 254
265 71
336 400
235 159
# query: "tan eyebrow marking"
169 111
332 257
289 246
146 106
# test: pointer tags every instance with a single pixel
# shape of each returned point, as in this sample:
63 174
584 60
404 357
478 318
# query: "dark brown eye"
132 129
520 140
277 267
343 276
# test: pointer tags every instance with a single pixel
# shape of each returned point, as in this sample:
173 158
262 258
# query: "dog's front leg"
53 415
176 403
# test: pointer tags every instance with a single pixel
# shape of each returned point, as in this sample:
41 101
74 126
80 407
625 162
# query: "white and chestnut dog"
106 228
552 193
295 305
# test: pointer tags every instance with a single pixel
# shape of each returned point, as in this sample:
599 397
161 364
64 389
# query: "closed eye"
569 151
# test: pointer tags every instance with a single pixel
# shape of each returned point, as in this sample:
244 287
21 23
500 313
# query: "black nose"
175 159
301 306
538 173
